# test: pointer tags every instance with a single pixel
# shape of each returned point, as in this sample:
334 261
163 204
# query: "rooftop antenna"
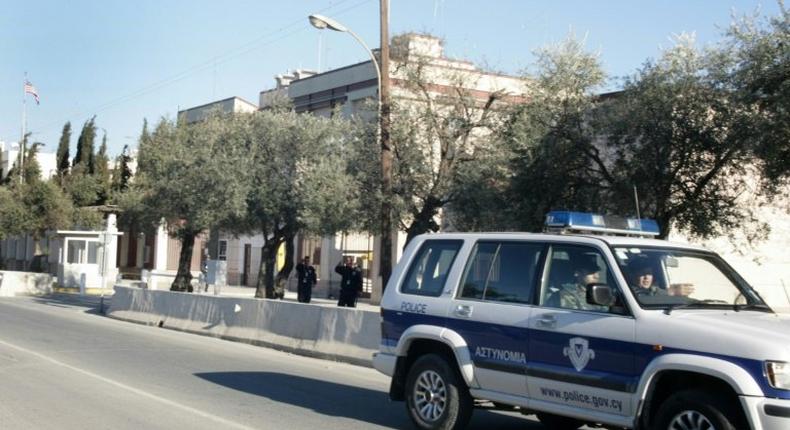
436 10
636 202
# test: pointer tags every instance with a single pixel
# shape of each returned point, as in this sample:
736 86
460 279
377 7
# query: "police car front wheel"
437 398
697 410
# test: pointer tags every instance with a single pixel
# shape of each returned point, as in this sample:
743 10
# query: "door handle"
463 311
547 321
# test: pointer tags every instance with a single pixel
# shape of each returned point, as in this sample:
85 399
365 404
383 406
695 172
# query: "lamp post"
321 22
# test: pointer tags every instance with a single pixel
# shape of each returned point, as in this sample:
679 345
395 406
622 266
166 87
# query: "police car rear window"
430 267
502 272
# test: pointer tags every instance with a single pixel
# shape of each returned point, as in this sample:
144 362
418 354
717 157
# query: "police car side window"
429 269
569 269
502 272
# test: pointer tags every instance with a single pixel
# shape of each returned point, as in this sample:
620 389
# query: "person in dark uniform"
350 283
307 280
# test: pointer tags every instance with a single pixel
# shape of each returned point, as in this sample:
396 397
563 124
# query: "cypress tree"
122 174
84 157
32 171
103 171
63 151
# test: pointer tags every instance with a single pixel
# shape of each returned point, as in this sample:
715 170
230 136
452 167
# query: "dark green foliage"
189 175
84 189
85 156
103 172
297 181
759 51
62 157
122 173
554 160
678 135
32 169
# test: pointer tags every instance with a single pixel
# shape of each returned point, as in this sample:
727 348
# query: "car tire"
436 396
557 422
697 409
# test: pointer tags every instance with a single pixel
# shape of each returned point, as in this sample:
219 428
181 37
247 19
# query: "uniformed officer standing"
307 280
350 283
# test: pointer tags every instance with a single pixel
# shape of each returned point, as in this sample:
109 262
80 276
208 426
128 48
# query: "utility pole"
386 260
23 140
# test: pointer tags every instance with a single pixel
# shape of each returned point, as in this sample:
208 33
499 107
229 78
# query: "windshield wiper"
672 307
753 307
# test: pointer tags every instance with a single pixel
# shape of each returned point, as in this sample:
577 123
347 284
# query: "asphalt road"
65 366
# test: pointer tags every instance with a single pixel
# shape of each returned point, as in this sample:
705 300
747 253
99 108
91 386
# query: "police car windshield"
671 278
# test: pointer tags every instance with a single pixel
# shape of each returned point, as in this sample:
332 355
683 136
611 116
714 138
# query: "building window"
223 250
93 252
82 252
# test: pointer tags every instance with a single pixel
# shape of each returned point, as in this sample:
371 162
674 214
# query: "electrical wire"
255 44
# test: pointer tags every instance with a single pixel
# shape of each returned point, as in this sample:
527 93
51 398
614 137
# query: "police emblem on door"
579 352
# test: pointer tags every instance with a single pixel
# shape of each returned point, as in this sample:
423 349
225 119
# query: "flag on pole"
30 89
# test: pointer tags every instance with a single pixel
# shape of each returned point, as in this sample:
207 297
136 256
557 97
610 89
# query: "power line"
296 26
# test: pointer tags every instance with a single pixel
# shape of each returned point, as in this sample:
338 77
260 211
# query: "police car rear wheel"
696 410
436 396
556 422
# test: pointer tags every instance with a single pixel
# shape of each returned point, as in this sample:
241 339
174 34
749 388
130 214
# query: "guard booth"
88 257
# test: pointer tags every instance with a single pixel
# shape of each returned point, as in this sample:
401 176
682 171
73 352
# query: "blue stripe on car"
630 358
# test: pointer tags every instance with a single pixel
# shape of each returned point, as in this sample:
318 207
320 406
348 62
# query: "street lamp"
322 22
383 136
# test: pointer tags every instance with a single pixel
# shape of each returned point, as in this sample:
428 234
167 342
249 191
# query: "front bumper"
385 363
767 414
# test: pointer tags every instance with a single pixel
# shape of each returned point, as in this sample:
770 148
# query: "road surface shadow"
90 304
332 399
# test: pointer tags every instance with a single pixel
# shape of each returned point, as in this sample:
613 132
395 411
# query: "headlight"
778 374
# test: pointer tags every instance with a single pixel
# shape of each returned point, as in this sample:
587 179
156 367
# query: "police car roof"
609 239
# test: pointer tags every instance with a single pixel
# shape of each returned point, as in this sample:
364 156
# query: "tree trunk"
285 272
265 285
665 228
424 221
183 281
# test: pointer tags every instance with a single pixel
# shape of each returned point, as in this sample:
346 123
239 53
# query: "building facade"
9 153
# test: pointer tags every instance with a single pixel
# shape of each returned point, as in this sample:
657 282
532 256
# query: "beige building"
353 90
229 105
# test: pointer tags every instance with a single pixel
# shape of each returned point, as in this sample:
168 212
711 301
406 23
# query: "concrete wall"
24 283
350 335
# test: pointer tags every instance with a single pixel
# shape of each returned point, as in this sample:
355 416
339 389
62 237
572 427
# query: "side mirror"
600 294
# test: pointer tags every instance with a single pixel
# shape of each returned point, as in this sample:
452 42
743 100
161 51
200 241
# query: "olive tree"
440 131
682 137
191 176
554 160
759 51
298 181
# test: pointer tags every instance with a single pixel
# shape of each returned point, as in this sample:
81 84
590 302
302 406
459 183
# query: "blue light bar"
595 223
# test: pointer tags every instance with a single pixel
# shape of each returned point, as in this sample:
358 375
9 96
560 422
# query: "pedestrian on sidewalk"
350 283
307 280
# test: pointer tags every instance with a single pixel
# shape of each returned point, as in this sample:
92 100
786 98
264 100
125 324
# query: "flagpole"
24 127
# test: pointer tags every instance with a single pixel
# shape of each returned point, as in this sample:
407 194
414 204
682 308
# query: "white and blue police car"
593 322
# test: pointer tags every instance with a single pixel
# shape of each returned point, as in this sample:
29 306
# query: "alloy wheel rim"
430 396
690 420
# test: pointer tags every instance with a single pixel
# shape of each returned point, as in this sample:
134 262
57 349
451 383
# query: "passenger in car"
574 295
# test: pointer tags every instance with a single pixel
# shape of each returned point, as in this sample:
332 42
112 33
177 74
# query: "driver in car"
641 283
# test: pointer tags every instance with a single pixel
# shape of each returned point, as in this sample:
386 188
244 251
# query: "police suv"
603 326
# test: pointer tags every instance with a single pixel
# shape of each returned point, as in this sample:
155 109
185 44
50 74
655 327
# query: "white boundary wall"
24 283
343 334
